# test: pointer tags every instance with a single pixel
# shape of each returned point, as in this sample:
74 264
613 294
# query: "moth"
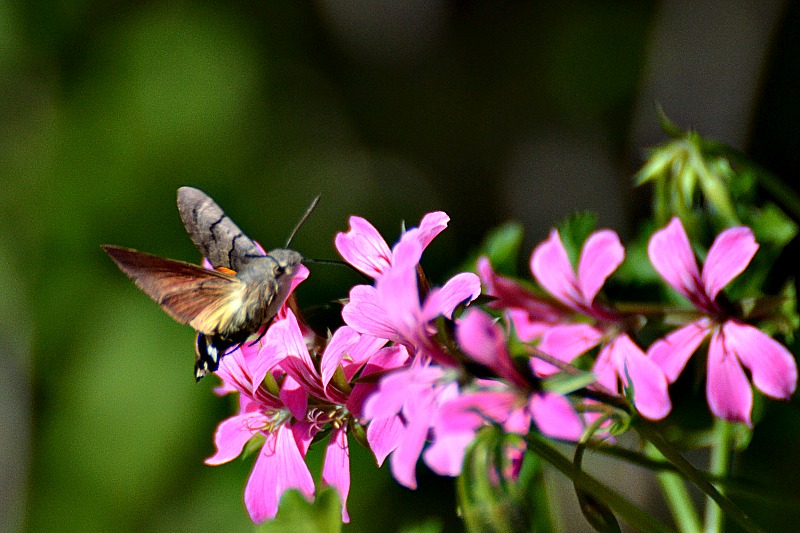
225 305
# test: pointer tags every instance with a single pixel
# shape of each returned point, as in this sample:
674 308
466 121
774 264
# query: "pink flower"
619 358
279 465
284 417
348 351
392 309
530 313
733 344
402 410
364 248
512 404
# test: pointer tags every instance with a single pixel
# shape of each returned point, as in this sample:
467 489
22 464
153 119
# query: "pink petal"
235 374
398 388
294 397
365 313
340 343
408 251
672 257
399 298
729 394
515 296
431 225
361 353
283 339
601 255
304 432
291 339
364 248
383 436
555 416
727 258
279 467
459 289
673 351
300 275
446 455
551 268
308 379
773 368
605 370
389 358
528 326
518 421
565 343
403 462
470 411
482 338
232 434
650 395
336 470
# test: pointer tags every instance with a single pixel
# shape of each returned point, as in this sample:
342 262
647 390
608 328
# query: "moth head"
285 262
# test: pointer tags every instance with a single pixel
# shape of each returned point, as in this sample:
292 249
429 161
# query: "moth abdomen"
210 349
213 232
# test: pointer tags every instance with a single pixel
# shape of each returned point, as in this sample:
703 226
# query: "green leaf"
667 125
431 525
253 445
502 246
296 514
564 383
340 381
771 225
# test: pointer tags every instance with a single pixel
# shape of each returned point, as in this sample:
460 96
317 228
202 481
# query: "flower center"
336 415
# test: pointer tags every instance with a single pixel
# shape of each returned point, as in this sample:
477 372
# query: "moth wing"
207 300
213 232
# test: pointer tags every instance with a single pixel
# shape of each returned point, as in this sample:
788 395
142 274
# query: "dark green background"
482 109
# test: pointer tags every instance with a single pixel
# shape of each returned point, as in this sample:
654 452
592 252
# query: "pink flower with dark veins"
308 401
280 464
734 345
619 358
530 313
508 401
391 309
402 411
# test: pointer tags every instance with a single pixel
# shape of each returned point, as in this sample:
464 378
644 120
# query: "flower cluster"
402 365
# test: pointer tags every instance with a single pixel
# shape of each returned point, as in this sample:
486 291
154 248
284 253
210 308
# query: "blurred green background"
487 110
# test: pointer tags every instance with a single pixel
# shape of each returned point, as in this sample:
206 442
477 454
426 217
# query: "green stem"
638 519
648 431
719 466
678 498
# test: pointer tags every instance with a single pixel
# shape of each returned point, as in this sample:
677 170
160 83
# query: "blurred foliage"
106 108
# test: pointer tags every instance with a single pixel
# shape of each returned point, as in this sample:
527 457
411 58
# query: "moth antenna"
306 214
335 262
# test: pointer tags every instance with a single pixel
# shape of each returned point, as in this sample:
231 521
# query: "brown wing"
207 300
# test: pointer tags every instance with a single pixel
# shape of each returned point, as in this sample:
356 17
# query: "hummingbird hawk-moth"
228 304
